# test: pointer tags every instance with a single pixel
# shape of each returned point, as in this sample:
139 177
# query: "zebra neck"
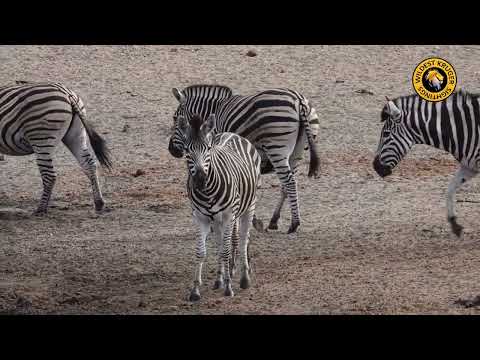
450 125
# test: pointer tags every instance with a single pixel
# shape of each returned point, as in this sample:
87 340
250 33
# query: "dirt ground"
365 246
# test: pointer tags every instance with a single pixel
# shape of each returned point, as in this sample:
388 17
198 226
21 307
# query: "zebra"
276 121
35 117
452 124
223 177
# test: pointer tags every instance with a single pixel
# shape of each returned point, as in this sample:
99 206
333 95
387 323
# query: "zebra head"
176 143
198 138
395 140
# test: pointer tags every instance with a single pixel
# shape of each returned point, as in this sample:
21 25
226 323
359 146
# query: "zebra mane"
223 91
463 94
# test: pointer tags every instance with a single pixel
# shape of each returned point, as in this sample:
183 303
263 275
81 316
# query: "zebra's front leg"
49 176
226 253
235 238
461 177
218 234
245 221
201 253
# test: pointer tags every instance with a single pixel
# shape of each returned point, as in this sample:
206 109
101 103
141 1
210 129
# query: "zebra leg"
276 213
76 141
245 221
289 190
48 174
201 253
235 237
218 233
227 239
461 176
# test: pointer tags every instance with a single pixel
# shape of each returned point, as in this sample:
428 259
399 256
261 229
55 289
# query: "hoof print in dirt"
251 53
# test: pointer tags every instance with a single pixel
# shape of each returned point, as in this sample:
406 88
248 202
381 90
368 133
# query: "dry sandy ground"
366 245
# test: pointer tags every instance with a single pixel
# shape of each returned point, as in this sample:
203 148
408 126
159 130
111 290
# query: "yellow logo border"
429 63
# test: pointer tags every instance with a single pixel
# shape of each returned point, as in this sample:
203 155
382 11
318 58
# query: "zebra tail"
314 158
99 144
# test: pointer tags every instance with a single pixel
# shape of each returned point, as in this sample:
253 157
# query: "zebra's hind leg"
245 221
286 172
47 172
76 141
276 213
461 177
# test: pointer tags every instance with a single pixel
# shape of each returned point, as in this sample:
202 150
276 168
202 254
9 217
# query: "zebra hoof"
245 282
457 229
40 212
99 205
293 227
218 285
273 226
105 210
228 291
194 295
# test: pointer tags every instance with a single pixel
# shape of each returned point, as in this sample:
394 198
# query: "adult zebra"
276 121
452 125
224 173
35 117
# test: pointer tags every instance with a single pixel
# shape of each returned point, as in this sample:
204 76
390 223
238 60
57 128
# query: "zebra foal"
223 176
35 117
452 125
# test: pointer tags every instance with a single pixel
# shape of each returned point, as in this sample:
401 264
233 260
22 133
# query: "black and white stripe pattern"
452 125
35 117
276 121
224 174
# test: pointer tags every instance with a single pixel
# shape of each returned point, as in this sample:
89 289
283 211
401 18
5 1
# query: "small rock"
281 71
126 128
364 91
339 81
174 50
251 53
142 304
139 172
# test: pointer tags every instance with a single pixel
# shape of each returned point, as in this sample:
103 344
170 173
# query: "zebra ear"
208 126
178 95
393 111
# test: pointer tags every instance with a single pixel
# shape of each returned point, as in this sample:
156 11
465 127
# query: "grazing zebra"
276 121
452 125
223 176
35 117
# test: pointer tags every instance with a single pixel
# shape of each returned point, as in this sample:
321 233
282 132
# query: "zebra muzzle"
174 151
382 170
199 179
